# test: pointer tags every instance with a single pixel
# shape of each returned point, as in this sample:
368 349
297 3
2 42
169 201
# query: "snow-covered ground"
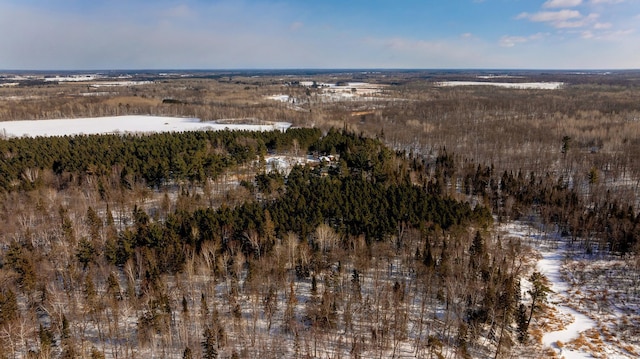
91 94
20 98
490 77
73 78
550 265
587 329
119 83
122 124
513 85
281 98
331 92
284 164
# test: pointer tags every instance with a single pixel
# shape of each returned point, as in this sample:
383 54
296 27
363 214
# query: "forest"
187 245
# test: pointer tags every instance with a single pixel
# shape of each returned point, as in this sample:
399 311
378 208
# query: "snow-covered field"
512 85
73 78
97 78
122 124
119 83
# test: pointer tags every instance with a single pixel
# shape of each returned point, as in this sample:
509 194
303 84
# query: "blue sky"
231 34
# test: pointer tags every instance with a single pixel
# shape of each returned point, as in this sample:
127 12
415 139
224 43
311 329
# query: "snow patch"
550 266
512 85
73 78
120 83
281 98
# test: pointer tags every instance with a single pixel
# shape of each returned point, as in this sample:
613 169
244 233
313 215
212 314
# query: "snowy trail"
550 265
553 252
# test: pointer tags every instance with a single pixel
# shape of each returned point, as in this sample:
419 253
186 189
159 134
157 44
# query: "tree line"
153 159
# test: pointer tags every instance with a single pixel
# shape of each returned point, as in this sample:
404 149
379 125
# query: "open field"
512 85
122 124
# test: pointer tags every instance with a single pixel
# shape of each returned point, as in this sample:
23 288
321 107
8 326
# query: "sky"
323 34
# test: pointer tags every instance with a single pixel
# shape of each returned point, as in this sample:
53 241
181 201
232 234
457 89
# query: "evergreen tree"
8 306
523 324
538 293
209 344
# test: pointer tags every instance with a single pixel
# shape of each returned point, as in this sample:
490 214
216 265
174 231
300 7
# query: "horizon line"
327 69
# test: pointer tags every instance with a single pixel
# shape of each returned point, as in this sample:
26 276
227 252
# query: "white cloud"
563 19
608 36
561 3
538 36
583 22
620 36
511 41
587 34
602 25
551 16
